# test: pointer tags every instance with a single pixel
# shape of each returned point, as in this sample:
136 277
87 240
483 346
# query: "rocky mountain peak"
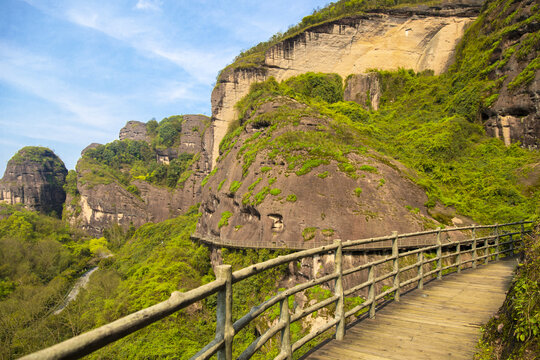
35 176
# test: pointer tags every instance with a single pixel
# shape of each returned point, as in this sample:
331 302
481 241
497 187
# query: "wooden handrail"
491 248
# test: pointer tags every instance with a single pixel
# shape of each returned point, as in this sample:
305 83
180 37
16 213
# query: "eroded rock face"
364 89
419 39
35 177
134 130
97 207
271 205
515 115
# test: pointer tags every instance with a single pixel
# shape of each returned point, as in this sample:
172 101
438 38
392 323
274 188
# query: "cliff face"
515 115
99 204
267 190
35 177
419 39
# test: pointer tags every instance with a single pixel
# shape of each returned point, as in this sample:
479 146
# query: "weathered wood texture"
442 321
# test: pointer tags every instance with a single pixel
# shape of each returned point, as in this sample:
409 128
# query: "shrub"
133 189
291 198
224 221
309 233
234 186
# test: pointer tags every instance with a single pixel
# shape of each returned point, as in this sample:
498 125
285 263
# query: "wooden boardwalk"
440 322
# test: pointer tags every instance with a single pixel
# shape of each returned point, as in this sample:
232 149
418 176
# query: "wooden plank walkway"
440 322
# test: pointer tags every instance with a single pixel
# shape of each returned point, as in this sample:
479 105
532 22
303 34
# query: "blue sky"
74 72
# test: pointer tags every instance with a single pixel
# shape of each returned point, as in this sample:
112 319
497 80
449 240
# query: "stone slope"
35 177
269 190
419 39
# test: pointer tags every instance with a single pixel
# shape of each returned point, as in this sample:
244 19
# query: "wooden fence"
486 243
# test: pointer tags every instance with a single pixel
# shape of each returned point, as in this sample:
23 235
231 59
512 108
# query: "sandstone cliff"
106 196
282 182
35 177
421 38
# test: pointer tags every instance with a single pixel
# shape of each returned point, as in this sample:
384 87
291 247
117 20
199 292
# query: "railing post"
522 237
439 254
224 325
474 246
497 240
338 289
458 257
286 347
511 245
395 255
371 292
421 270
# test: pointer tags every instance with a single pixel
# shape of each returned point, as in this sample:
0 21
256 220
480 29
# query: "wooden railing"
486 243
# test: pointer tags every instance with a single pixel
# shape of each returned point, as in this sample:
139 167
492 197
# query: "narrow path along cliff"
441 322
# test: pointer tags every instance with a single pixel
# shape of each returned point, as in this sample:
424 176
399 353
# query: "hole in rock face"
277 222
519 111
250 211
260 124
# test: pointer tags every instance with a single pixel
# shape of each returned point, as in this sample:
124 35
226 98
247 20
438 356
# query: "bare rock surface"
134 130
364 89
417 38
271 204
35 177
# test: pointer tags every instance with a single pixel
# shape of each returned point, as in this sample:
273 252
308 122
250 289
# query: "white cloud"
154 5
142 33
41 77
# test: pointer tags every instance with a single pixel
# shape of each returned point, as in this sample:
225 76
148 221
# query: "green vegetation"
357 191
323 175
224 221
265 169
70 187
166 133
515 332
234 186
328 232
275 192
128 160
134 190
252 186
154 261
207 177
40 155
301 150
291 198
368 168
40 257
261 195
317 86
221 184
309 233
